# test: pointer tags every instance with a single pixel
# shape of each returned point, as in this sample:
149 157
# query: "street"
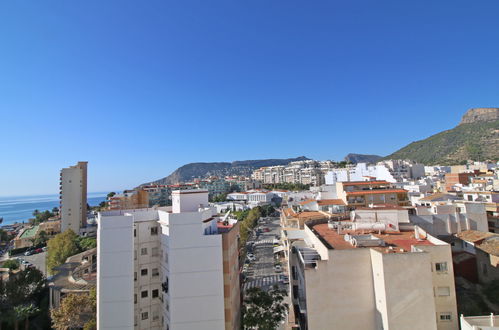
262 272
37 260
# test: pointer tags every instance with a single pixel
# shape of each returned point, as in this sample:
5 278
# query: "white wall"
115 306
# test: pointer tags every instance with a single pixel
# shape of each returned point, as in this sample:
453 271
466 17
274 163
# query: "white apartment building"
359 172
371 279
73 197
161 269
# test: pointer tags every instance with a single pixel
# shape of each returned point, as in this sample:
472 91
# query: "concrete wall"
188 200
194 269
401 306
340 292
115 306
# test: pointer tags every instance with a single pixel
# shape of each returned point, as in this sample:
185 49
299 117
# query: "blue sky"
138 88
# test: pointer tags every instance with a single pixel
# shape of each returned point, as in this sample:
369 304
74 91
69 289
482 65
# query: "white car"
278 268
251 257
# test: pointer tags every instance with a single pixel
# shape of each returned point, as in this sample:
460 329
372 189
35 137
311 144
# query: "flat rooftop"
393 241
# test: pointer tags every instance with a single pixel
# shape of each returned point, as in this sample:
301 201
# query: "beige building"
73 196
365 193
130 199
371 279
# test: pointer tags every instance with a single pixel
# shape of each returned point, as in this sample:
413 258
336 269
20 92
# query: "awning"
278 249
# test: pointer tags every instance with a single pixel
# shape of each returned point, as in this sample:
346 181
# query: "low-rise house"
26 237
77 275
129 199
485 247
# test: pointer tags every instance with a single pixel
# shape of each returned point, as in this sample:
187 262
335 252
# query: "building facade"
73 197
162 269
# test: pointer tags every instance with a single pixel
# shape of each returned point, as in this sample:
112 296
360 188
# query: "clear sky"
138 88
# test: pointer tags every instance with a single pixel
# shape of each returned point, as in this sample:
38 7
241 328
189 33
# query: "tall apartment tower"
174 268
73 197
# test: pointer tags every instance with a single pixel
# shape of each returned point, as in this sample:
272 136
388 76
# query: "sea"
20 208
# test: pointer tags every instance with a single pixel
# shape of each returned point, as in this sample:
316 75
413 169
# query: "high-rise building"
73 197
168 268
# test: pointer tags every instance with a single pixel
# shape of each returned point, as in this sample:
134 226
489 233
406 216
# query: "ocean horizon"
20 208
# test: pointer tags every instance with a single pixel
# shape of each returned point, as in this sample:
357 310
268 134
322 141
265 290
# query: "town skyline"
134 88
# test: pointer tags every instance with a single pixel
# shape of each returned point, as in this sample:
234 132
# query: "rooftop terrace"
352 239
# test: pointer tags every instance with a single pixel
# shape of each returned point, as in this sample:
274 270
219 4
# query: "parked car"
284 279
44 249
251 257
28 253
40 250
278 268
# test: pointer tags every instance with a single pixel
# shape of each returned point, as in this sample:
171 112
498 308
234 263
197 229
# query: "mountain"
476 138
191 171
360 158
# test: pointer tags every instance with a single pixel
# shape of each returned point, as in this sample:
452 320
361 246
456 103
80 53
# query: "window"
143 294
470 198
135 276
443 291
155 293
135 298
143 272
145 315
155 272
135 255
154 231
155 315
154 252
441 266
484 269
134 232
445 317
143 251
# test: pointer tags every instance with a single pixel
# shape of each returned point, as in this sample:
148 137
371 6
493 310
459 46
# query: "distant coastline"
20 208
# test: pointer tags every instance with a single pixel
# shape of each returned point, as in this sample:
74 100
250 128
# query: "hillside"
361 158
191 171
475 138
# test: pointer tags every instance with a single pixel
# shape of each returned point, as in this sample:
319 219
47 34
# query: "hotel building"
73 197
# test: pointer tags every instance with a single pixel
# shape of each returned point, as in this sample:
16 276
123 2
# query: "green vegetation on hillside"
476 141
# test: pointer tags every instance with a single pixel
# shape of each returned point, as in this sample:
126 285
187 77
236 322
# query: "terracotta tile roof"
307 201
400 240
439 196
364 183
474 236
310 215
331 202
491 245
378 191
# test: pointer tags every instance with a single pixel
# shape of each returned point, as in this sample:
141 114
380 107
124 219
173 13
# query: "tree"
19 295
111 194
263 310
86 243
55 210
60 247
4 236
75 311
11 264
41 238
24 312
